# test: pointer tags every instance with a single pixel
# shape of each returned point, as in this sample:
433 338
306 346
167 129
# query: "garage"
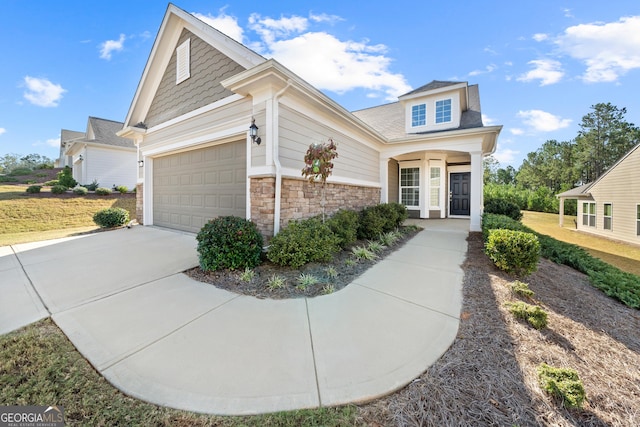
191 187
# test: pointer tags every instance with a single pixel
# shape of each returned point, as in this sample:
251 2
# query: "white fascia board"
210 139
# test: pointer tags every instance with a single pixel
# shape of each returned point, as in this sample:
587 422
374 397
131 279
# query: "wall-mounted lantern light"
140 163
253 132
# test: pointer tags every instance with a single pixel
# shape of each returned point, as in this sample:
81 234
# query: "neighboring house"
610 206
200 91
99 154
66 137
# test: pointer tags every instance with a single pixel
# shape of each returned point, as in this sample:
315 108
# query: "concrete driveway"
158 335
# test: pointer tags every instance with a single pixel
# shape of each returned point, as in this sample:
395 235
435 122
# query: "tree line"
10 162
604 137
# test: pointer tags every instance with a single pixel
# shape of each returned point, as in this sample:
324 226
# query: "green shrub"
52 182
614 282
103 191
111 217
81 191
514 252
303 241
59 189
521 288
122 189
93 186
34 189
65 178
379 219
562 383
229 242
401 213
344 224
7 178
503 207
533 314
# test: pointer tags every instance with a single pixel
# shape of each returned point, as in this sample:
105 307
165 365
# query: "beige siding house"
99 154
610 206
201 90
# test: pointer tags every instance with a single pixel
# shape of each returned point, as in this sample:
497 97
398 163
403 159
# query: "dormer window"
419 115
443 111
183 57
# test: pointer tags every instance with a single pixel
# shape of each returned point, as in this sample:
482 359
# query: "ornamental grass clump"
562 383
229 242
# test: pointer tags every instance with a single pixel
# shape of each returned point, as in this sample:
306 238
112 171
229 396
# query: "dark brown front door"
459 191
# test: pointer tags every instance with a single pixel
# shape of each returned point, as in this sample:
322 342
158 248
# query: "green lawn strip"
40 366
614 282
24 213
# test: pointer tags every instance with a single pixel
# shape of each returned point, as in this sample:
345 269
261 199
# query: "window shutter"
183 70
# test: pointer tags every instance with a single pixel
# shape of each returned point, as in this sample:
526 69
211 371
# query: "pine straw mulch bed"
488 376
258 286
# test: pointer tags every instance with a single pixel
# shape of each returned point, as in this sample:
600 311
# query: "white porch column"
476 192
384 179
561 211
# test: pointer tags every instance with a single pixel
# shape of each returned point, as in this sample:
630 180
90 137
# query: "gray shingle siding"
208 68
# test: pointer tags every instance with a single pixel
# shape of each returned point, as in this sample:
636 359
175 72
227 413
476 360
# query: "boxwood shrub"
514 252
303 241
34 189
111 217
229 242
122 189
103 191
59 189
344 224
379 219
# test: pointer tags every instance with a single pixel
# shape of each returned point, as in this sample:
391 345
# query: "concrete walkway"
158 335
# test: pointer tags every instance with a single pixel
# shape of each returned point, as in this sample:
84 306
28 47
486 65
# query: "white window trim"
183 61
637 220
400 186
589 215
605 216
435 111
426 115
439 186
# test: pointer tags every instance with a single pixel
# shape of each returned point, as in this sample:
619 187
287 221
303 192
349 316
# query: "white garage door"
192 187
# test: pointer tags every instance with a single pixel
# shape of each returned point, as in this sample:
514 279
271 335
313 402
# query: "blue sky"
540 64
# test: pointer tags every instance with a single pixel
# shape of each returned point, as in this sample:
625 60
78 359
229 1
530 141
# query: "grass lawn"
624 256
29 217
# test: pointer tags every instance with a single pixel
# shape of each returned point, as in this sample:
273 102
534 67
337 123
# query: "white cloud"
541 121
326 61
548 71
42 92
488 121
106 48
540 37
224 23
516 131
488 69
2 130
567 13
53 142
323 17
609 50
505 156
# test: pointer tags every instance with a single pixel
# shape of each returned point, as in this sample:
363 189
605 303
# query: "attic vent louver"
183 69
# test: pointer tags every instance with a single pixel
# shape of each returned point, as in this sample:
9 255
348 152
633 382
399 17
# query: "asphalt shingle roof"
105 133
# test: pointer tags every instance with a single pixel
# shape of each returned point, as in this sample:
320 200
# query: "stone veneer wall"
301 199
139 211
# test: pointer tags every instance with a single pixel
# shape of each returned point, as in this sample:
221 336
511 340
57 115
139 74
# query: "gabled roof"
583 190
433 85
174 21
68 135
104 132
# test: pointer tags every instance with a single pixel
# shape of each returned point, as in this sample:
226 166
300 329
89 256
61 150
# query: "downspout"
276 157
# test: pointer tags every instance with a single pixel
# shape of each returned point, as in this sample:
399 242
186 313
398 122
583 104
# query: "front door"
459 193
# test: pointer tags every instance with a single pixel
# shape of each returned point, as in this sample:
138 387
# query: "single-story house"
199 93
99 154
610 206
